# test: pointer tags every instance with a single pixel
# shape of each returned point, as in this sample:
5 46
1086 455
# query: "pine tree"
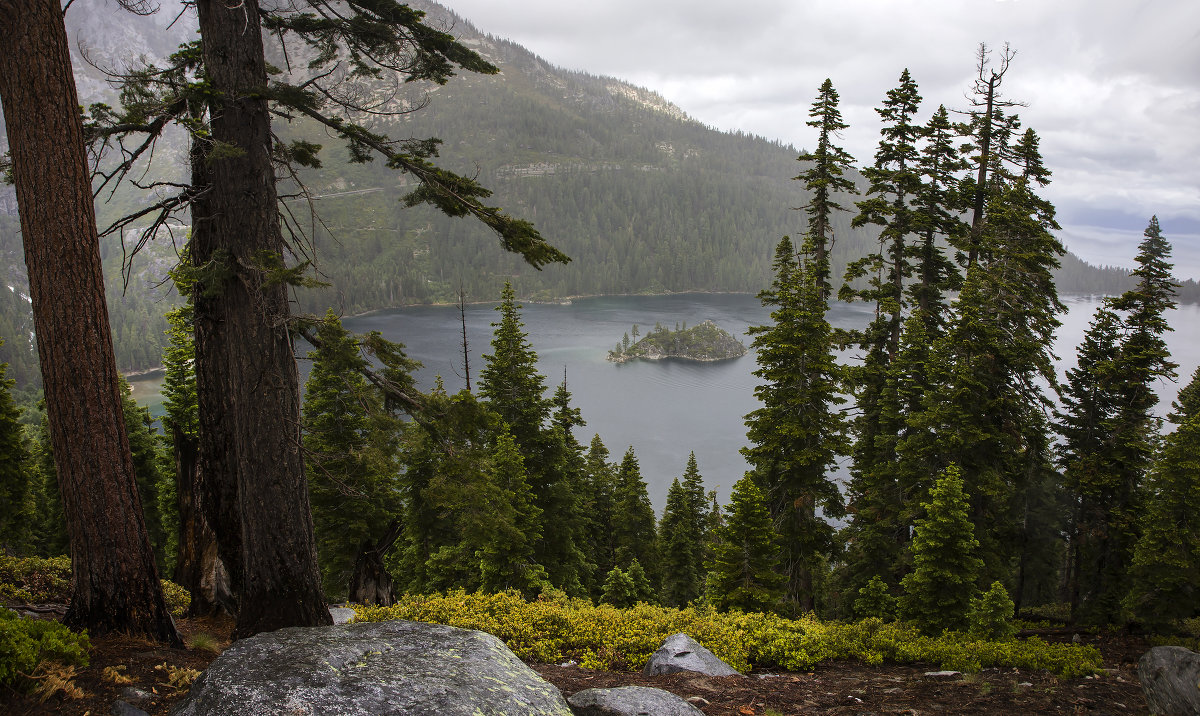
745 570
1110 431
797 433
633 526
938 591
350 453
599 512
1165 569
619 590
986 410
144 447
513 389
678 538
507 554
936 218
825 175
875 601
16 494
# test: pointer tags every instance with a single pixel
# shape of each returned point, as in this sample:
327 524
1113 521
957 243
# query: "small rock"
341 615
1169 676
133 693
680 652
569 662
630 701
120 708
942 674
698 700
1025 683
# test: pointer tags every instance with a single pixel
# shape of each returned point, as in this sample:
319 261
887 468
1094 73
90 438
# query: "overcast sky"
1113 86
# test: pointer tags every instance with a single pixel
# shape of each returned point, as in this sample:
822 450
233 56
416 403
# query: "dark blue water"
666 409
663 409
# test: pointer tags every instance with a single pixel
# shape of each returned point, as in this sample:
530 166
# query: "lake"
664 409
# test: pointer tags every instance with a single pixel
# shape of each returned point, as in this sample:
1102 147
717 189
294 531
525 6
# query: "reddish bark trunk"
115 585
246 368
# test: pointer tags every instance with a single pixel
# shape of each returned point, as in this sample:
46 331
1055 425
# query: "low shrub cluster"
35 580
604 637
47 580
26 645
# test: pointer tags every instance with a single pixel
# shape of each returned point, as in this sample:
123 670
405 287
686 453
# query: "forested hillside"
642 198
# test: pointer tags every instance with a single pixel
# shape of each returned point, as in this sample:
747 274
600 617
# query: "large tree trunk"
199 568
246 370
371 583
115 585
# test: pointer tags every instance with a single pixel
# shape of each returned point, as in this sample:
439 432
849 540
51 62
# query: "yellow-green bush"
35 580
603 637
178 598
40 580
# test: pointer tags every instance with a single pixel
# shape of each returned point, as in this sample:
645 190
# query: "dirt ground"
834 688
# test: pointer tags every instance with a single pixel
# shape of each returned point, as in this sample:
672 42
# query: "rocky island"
704 342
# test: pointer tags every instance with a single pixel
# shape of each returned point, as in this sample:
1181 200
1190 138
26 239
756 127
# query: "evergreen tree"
939 590
349 442
823 177
745 571
678 538
642 589
633 526
147 462
936 219
1110 432
514 390
991 613
17 498
1165 569
986 409
875 601
619 590
506 555
797 433
598 508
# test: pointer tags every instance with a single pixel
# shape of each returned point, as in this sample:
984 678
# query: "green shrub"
35 580
874 601
604 637
991 614
26 643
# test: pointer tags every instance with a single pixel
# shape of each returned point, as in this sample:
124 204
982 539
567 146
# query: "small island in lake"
704 342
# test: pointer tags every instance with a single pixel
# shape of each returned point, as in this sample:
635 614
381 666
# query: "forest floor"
843 687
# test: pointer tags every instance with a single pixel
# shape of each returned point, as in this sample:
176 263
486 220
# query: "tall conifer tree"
745 570
1110 431
1165 569
825 176
797 433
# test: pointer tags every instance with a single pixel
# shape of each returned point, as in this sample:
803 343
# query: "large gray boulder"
394 668
631 701
1170 677
680 652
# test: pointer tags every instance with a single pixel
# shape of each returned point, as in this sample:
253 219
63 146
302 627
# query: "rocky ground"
154 678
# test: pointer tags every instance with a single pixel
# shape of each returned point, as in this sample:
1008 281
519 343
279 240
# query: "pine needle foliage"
938 591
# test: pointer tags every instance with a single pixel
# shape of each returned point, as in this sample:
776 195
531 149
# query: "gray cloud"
1111 85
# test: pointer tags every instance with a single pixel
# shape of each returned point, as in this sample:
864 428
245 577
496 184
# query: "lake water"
665 409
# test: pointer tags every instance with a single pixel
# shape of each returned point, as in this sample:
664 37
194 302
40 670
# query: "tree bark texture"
246 369
115 583
199 568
